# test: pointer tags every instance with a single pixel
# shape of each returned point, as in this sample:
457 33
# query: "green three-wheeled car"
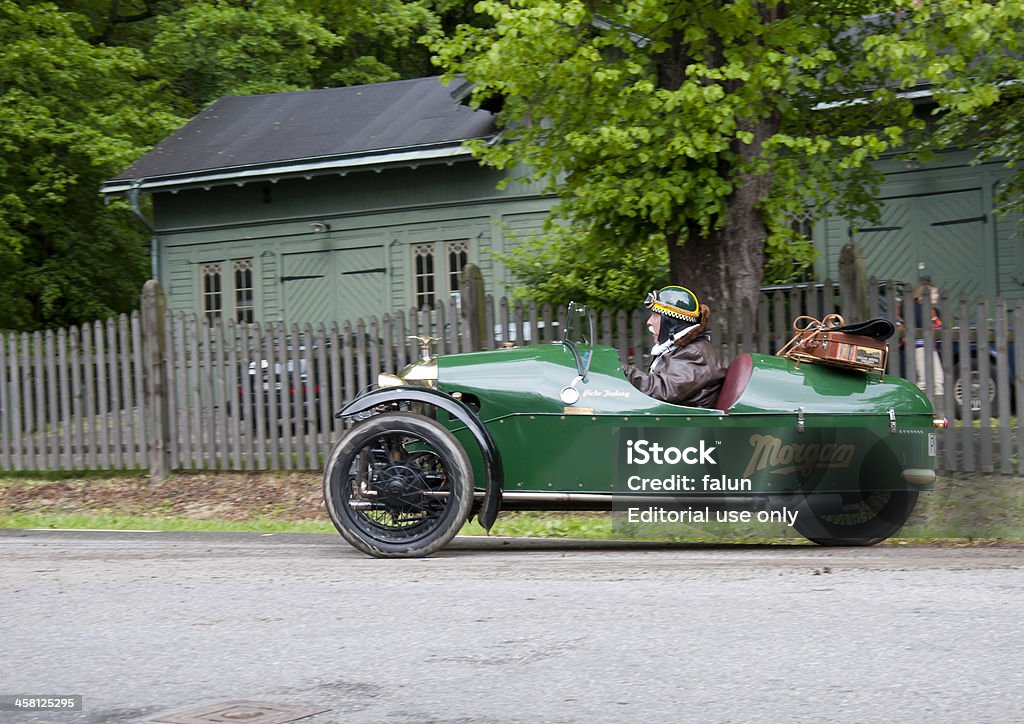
840 454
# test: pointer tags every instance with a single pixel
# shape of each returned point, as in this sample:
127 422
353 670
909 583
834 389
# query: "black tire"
398 485
857 519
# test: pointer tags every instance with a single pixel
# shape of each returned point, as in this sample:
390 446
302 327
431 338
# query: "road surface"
177 626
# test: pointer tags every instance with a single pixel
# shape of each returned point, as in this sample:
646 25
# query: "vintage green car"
839 454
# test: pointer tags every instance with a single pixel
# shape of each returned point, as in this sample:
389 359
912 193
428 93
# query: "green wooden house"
348 202
937 220
327 204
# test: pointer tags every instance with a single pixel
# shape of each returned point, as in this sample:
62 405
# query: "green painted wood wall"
937 219
338 247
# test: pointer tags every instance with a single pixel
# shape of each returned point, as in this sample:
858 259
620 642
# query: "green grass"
963 507
164 523
546 525
516 524
513 524
532 525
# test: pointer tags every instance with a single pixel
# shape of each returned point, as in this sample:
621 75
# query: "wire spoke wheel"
398 485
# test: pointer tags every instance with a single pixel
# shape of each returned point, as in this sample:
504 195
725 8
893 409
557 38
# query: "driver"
685 369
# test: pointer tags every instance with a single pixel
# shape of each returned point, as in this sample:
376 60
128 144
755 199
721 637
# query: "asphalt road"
150 626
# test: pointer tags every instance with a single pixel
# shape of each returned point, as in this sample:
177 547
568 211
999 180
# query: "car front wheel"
398 485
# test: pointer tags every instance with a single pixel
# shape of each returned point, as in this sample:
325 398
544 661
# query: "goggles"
669 310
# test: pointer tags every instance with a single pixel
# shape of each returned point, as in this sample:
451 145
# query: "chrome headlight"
423 372
386 379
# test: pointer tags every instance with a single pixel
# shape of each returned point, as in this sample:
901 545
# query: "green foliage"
71 114
205 49
88 86
234 47
607 274
379 40
710 125
972 55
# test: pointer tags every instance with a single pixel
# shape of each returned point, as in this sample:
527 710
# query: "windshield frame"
579 336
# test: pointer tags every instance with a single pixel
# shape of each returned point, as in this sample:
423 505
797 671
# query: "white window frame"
219 291
245 308
442 274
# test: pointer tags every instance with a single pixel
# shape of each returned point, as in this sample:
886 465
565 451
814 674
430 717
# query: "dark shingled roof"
238 132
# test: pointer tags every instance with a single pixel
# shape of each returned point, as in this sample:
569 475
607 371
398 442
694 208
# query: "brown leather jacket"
689 375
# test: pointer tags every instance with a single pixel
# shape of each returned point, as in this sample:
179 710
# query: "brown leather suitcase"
826 342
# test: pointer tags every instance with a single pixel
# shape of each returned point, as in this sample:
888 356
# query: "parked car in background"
512 335
285 398
819 299
980 385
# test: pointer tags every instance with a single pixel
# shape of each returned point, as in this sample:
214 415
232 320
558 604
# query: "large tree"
704 127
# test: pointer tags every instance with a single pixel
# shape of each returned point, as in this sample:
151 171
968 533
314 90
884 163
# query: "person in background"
926 297
685 369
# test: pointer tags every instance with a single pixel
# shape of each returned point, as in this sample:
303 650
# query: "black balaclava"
669 327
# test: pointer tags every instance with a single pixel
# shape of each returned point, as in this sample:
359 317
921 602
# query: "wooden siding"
362 193
516 229
440 204
269 304
1010 258
940 216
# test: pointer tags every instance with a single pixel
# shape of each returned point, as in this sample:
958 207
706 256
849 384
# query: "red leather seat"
736 379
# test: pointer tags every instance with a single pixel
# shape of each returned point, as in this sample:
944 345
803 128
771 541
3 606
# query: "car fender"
494 485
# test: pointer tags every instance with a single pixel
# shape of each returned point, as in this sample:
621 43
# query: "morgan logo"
778 459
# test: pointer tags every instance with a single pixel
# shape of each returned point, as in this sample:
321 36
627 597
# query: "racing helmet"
675 302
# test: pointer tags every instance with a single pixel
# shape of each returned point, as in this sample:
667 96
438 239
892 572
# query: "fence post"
472 298
154 305
852 284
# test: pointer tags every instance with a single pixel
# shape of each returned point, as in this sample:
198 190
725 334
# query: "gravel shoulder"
209 496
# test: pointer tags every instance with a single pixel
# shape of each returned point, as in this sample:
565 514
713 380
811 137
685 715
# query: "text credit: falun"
644 452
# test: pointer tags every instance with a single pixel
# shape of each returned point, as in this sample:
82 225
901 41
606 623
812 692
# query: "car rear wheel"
854 519
398 486
977 390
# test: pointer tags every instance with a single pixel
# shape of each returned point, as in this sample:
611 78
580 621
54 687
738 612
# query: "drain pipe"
154 254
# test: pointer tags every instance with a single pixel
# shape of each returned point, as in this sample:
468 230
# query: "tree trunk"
726 265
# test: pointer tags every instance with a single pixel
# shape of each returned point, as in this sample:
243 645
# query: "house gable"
329 204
